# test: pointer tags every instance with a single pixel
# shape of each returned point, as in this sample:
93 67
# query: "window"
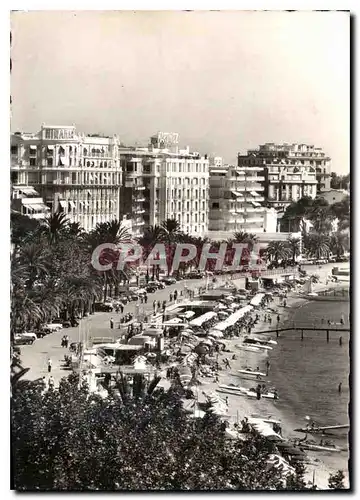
129 168
203 218
187 205
14 150
49 162
32 162
196 193
188 218
215 205
188 193
85 152
196 205
196 217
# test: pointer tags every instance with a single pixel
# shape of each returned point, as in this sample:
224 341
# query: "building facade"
291 171
236 200
74 173
163 182
26 201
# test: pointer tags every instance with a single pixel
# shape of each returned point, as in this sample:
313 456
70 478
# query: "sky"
225 81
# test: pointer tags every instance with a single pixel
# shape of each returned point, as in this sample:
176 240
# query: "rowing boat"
316 430
248 348
250 372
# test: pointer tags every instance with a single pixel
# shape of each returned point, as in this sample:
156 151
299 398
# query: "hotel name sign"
59 133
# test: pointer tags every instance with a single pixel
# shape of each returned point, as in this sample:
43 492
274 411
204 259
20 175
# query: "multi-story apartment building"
236 198
163 182
74 173
291 171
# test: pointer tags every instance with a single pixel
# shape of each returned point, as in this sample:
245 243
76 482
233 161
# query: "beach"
297 374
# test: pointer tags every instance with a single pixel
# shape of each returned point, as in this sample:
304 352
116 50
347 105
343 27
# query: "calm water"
307 373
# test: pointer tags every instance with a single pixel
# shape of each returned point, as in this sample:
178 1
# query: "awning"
256 204
27 190
39 207
50 147
254 193
33 148
236 193
81 203
256 301
72 204
203 318
89 192
63 203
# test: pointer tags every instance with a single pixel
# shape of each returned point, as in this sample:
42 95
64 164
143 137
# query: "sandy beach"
240 406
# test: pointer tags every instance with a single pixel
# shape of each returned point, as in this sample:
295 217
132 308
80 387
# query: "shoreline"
240 407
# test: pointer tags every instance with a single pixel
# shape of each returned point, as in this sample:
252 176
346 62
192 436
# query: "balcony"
139 211
139 187
139 199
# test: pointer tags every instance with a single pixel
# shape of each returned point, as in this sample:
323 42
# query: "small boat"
233 388
257 344
317 430
318 447
251 372
249 348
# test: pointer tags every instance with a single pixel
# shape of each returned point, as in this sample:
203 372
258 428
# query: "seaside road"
36 356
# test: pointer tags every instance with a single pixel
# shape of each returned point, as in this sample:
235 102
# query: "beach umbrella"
207 342
202 349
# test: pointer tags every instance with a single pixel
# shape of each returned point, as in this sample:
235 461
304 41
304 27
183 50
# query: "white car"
54 327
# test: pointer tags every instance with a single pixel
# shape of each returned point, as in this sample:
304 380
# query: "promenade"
36 356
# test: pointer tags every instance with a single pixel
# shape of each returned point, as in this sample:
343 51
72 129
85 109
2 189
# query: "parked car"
195 275
103 307
156 284
25 338
169 280
151 289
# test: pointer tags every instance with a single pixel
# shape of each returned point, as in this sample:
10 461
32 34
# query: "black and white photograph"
180 250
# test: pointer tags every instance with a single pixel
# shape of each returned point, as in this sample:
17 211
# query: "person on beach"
154 305
258 392
121 308
340 341
340 387
63 341
111 323
145 298
227 401
67 340
159 305
278 318
267 367
49 365
171 297
175 295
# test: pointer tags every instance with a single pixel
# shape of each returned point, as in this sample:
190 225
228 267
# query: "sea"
307 374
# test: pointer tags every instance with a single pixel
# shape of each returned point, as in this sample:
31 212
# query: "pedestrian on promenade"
121 308
141 299
269 319
227 401
111 323
154 305
284 302
171 297
340 387
159 305
63 341
66 341
49 364
340 341
164 305
145 298
175 295
51 382
278 318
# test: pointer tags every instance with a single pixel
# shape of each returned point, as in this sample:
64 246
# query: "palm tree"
171 228
75 230
277 251
338 244
321 219
55 226
108 232
294 247
319 245
36 259
244 237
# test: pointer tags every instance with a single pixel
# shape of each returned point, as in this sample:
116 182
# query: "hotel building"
162 182
74 173
236 200
291 171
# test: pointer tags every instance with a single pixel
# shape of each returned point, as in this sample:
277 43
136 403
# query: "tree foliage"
72 440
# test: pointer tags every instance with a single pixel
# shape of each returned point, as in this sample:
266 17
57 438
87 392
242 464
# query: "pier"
303 329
